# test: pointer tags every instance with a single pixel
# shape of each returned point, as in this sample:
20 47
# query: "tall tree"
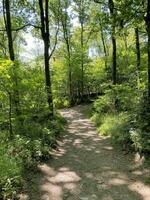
67 37
138 53
147 20
8 25
104 43
112 11
44 16
82 10
113 37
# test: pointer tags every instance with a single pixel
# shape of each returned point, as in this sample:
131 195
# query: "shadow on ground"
87 167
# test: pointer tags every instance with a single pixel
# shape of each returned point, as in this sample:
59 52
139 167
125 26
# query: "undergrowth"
31 144
124 116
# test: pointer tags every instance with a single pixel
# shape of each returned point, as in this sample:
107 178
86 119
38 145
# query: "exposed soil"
87 167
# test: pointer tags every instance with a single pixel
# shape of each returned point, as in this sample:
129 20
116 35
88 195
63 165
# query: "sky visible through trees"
57 54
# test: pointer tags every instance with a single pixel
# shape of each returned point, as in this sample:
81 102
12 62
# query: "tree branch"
22 27
56 39
26 25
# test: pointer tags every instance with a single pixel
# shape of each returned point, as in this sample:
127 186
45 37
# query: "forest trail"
87 167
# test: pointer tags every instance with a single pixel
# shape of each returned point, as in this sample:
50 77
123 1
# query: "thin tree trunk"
126 47
104 46
113 35
7 19
125 40
147 20
47 77
149 61
10 117
70 74
114 70
67 40
138 54
82 62
8 29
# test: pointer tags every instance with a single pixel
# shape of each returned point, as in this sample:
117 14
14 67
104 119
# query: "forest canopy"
59 53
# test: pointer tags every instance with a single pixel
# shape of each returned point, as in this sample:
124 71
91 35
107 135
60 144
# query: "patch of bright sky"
32 48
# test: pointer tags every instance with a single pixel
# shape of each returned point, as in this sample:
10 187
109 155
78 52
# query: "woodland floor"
87 167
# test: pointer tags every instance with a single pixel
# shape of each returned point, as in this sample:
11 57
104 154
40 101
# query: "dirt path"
87 167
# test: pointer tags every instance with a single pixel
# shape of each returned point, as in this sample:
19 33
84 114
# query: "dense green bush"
114 113
117 126
143 124
104 104
118 98
125 116
31 144
10 173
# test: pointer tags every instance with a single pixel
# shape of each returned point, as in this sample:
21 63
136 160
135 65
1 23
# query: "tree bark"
104 46
113 36
147 21
8 29
82 62
8 25
114 70
44 16
10 117
138 54
67 41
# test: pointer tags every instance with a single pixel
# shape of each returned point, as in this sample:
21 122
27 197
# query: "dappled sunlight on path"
87 167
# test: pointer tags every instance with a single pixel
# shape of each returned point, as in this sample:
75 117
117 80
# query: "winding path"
87 167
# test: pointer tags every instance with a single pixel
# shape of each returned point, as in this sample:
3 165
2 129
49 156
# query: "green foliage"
117 126
114 114
10 173
33 133
136 139
143 124
84 52
104 104
118 98
31 146
122 115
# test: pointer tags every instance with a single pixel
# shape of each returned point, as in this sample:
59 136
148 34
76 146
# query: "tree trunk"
114 69
125 40
10 117
47 76
82 62
44 16
70 75
104 46
8 29
138 54
147 21
149 61
6 5
113 36
67 40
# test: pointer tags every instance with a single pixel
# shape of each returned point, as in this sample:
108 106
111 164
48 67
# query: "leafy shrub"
121 114
28 147
61 102
126 98
10 174
136 139
118 98
117 126
143 123
23 148
97 119
104 104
